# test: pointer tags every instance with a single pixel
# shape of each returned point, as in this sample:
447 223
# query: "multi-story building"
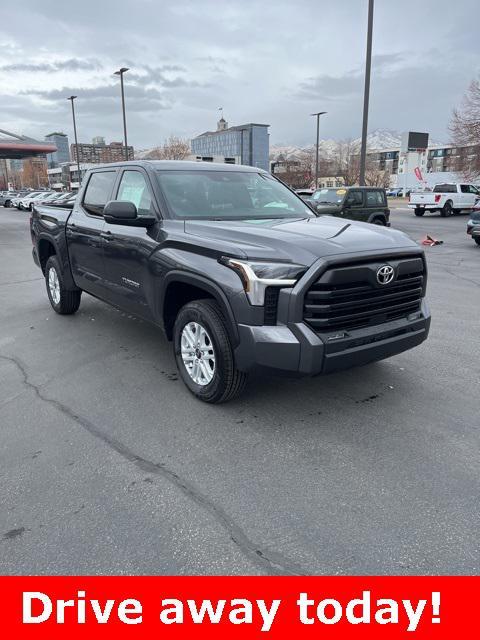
100 153
243 144
437 163
65 176
62 154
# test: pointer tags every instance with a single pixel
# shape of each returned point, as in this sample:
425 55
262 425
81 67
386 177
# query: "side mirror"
125 212
119 211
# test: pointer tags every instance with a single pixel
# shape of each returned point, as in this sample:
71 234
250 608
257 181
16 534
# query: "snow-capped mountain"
377 139
382 139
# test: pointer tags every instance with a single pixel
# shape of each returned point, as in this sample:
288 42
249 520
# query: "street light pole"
72 98
320 113
366 94
120 73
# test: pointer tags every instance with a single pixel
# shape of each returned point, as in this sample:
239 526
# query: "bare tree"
465 130
347 161
34 173
174 148
376 177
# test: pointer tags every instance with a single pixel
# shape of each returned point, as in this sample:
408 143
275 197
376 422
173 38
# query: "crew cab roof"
181 165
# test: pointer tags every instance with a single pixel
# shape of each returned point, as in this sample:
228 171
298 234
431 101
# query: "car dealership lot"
109 465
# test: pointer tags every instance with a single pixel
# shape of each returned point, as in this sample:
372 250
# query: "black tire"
419 212
477 240
447 210
380 221
7 204
227 381
69 300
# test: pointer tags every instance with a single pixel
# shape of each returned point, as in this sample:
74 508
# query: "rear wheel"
204 353
447 209
63 301
7 203
419 212
477 240
380 221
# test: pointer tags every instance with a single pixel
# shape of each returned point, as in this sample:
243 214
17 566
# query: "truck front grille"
349 296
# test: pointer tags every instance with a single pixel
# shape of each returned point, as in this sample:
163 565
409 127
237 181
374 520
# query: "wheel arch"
377 215
181 288
46 248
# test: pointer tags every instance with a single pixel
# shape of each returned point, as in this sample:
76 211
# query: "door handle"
107 235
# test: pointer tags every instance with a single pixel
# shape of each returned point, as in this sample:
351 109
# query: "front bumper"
299 350
473 229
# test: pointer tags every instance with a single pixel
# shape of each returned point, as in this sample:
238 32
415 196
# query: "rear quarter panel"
48 224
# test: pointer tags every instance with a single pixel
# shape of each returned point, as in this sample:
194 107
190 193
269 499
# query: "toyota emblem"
385 274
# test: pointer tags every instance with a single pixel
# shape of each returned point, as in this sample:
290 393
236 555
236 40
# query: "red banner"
418 174
227 607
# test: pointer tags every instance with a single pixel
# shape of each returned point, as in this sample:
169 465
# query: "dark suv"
366 204
235 269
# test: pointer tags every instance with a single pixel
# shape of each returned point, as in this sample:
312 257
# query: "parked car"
473 225
447 198
26 203
51 197
21 196
236 282
7 197
365 204
66 200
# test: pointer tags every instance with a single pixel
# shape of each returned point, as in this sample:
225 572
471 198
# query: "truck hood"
300 240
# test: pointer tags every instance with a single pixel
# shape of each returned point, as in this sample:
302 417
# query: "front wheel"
419 212
204 353
477 240
63 301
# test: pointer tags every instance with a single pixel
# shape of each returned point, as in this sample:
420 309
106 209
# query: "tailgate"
422 198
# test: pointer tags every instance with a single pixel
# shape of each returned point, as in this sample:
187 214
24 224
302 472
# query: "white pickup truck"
446 198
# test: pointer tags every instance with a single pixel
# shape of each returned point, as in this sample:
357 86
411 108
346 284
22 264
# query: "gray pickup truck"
235 269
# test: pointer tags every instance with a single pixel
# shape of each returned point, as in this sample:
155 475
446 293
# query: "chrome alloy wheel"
54 285
198 354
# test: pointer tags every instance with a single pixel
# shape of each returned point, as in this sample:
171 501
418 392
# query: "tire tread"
234 381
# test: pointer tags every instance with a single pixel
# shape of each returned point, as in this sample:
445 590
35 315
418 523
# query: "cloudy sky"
271 61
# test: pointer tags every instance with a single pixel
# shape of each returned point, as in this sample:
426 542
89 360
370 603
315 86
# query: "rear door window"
99 191
445 188
375 199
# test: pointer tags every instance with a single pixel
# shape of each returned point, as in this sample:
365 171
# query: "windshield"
329 196
229 195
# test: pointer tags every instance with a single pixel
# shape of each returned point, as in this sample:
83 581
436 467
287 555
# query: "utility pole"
317 115
72 98
366 94
120 73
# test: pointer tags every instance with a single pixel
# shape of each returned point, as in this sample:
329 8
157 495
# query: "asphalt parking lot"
109 465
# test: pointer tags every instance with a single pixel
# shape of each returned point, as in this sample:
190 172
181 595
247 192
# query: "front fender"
212 288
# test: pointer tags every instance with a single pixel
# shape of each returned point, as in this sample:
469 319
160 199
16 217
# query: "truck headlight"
256 276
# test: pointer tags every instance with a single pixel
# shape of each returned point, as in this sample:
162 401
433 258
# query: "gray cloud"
275 65
104 98
159 76
72 64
